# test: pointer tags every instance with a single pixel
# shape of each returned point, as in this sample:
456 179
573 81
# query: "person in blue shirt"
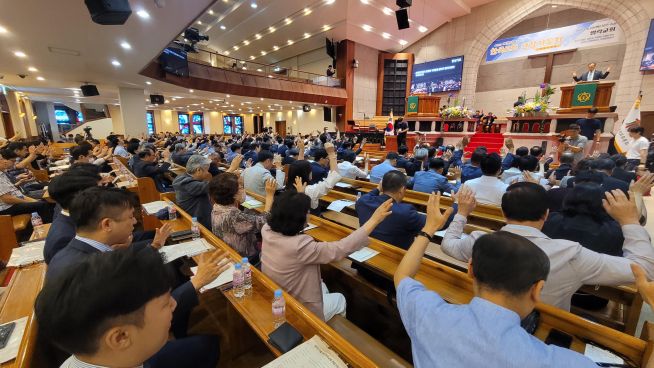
319 166
401 157
404 222
508 273
433 180
377 172
251 154
234 150
473 169
508 161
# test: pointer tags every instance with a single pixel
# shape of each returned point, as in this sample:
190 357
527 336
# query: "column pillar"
18 121
52 120
132 110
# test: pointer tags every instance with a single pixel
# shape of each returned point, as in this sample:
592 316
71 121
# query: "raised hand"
299 185
210 266
435 218
622 209
383 211
456 172
271 187
277 160
329 147
643 185
236 163
466 200
527 176
160 235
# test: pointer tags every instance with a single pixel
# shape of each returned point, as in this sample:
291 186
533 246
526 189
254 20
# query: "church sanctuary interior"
326 183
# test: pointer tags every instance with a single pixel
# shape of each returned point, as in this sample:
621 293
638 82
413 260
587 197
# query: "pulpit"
571 104
427 105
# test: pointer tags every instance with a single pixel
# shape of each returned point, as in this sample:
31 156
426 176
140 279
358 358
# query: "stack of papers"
29 253
186 249
153 207
343 185
314 353
10 351
363 254
223 279
599 355
339 205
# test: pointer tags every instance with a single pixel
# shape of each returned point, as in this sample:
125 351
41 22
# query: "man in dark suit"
115 309
619 172
592 74
605 167
147 166
319 166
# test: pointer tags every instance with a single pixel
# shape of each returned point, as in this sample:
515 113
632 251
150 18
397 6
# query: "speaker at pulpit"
579 97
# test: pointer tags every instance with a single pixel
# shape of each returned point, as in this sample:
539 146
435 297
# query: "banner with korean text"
588 34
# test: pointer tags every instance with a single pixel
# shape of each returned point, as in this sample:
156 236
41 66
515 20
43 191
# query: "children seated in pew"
525 206
509 273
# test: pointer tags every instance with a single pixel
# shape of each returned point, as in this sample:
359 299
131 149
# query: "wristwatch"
429 237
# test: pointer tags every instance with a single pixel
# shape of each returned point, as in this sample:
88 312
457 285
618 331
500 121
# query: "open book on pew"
338 205
251 203
186 249
28 253
153 207
314 353
223 280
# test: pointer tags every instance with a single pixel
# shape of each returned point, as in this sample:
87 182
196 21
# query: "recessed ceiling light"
210 12
115 62
143 14
422 29
125 45
40 78
200 22
253 5
270 76
19 54
251 57
306 35
403 42
275 47
290 42
191 91
364 2
366 28
226 53
271 29
148 83
288 21
307 11
227 96
167 101
257 36
329 2
3 29
235 48
387 10
246 42
263 53
261 99
554 6
223 27
32 69
386 35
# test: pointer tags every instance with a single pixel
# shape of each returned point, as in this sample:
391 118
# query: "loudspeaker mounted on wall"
157 99
109 12
327 113
306 108
89 90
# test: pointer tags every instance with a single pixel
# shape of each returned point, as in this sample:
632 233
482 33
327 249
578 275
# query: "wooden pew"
9 239
456 287
256 310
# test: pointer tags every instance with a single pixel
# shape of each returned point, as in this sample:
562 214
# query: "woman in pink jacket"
292 259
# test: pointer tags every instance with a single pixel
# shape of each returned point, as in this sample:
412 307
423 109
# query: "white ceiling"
68 49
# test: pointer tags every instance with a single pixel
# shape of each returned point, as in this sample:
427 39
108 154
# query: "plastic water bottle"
36 222
195 228
278 309
237 283
247 274
172 211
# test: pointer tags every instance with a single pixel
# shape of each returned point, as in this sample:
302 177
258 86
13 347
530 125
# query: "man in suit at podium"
592 74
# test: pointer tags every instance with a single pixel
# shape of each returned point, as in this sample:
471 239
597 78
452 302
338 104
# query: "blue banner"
587 34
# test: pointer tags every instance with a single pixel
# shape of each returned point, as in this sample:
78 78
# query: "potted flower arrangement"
456 111
538 106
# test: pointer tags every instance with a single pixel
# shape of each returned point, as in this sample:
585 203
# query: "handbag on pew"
285 338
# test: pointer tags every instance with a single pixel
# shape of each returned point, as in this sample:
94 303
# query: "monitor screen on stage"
437 76
648 55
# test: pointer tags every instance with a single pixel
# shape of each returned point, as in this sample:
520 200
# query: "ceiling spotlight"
259 70
223 27
422 29
290 42
251 57
191 91
32 69
555 6
40 78
253 5
306 35
227 96
307 11
271 29
125 45
364 2
403 42
148 83
366 28
19 54
257 36
143 14
200 22
246 42
386 35
288 21
263 53
210 12
235 48
329 2
387 10
226 53
275 47
167 101
261 99
3 30
115 62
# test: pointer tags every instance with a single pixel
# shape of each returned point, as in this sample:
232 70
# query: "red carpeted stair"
492 141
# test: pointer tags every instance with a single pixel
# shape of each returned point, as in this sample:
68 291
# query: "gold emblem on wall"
583 97
412 106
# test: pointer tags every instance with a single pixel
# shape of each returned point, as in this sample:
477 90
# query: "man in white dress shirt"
525 206
348 169
256 176
489 188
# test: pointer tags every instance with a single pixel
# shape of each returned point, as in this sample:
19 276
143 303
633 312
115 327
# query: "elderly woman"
239 229
292 259
191 188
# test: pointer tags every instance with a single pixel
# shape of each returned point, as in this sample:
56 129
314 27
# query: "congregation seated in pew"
148 166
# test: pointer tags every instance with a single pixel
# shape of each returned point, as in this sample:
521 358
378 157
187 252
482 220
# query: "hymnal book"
251 203
185 249
313 353
27 254
153 207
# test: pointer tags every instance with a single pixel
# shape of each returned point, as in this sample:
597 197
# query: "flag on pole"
632 119
390 128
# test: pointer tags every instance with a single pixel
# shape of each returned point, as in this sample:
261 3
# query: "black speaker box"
157 99
89 90
306 108
403 3
109 12
402 17
327 113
